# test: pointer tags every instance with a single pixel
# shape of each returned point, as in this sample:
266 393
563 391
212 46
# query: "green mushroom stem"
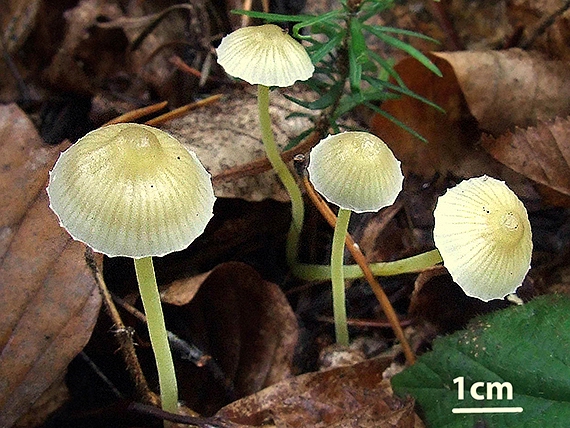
313 272
337 277
282 171
157 332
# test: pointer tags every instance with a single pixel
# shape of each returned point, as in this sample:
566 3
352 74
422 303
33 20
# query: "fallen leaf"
227 134
510 88
245 323
49 298
480 91
541 153
350 396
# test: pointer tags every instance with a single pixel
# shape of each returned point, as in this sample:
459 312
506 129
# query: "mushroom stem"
280 167
157 332
419 262
337 277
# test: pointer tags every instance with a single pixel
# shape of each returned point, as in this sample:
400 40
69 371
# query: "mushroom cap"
356 171
131 190
264 55
483 235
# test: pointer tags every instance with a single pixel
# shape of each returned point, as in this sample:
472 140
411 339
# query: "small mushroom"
358 172
484 237
267 56
264 55
133 190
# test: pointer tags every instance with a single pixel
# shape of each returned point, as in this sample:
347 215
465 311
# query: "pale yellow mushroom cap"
356 171
131 190
483 235
264 55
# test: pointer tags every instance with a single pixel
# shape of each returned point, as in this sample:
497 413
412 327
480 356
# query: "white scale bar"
487 410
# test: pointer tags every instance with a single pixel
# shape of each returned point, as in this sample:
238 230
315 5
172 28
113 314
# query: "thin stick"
257 166
385 304
138 113
181 111
123 335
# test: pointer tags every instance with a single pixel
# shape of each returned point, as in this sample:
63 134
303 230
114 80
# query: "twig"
543 25
137 114
181 111
123 335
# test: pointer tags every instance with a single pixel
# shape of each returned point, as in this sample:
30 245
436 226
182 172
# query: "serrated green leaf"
527 346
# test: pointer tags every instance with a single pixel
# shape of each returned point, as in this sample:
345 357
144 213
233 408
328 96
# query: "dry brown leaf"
49 298
450 135
490 91
227 134
352 396
246 324
541 153
510 88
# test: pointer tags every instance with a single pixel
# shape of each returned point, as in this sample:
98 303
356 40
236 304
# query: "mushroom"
483 234
358 172
132 190
267 56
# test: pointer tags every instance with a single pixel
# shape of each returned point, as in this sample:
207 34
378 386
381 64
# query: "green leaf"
324 49
273 17
357 44
400 89
396 121
296 140
321 103
527 346
406 33
329 16
410 50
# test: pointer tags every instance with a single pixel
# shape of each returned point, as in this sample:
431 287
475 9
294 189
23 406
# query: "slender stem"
419 262
337 277
157 332
282 171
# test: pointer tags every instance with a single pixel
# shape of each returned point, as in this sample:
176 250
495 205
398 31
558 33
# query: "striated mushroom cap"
356 171
264 55
131 190
483 235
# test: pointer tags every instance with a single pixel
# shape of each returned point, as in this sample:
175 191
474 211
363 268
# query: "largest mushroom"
132 190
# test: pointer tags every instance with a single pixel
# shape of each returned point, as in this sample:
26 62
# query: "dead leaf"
49 298
352 396
489 91
227 134
510 88
246 324
450 135
541 153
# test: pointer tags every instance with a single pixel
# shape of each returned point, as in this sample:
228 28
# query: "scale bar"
487 410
